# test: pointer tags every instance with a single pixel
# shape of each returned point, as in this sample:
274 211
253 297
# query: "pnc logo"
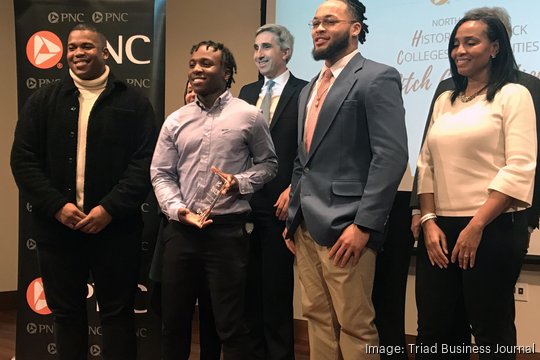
95 350
439 2
35 296
31 244
51 348
31 328
53 17
44 49
97 17
31 83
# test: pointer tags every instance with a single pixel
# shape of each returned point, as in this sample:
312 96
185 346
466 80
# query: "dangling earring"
493 56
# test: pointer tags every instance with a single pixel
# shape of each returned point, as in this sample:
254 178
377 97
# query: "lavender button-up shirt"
231 135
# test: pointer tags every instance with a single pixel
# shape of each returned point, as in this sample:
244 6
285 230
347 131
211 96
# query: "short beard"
333 49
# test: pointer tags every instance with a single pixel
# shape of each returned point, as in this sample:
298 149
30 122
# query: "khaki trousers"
336 302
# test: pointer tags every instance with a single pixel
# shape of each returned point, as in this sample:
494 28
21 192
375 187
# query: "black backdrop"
135 30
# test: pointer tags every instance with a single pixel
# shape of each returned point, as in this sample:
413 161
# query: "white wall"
231 22
8 190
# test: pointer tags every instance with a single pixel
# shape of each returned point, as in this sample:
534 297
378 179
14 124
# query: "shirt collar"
280 80
339 65
221 101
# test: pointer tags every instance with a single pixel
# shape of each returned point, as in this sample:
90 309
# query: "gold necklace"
319 96
465 99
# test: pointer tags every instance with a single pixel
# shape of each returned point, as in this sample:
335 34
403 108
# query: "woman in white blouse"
475 178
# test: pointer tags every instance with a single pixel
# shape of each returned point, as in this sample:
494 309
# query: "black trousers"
390 284
210 345
208 338
453 302
113 263
269 305
220 253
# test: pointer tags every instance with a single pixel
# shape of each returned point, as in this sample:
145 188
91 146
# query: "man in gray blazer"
352 153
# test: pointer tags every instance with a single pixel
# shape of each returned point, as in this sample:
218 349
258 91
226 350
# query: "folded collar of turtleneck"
94 84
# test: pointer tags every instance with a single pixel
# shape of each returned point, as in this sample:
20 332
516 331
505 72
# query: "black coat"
120 141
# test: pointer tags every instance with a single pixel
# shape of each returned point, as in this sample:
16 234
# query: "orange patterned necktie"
315 107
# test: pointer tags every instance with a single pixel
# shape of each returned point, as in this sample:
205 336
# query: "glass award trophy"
207 197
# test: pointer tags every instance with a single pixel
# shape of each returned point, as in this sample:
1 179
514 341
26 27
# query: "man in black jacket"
81 156
270 275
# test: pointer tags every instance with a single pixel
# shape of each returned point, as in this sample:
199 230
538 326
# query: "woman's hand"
467 245
435 242
469 238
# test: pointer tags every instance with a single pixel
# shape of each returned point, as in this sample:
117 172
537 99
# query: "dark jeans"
453 302
113 263
270 290
220 253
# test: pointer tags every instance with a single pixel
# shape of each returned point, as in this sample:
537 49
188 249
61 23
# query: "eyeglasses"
327 23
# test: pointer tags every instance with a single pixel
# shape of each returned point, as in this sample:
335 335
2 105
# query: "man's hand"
69 215
282 204
231 184
96 220
187 217
351 243
289 243
415 226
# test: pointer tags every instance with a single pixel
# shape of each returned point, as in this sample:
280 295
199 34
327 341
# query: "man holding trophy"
210 155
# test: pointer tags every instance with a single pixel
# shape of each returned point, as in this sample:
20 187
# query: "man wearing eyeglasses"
352 153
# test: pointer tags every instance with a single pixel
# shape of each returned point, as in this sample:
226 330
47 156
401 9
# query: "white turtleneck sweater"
89 91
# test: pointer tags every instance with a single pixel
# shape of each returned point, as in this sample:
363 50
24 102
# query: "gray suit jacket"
357 157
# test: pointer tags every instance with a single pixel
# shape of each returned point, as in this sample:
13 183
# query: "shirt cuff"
244 185
173 212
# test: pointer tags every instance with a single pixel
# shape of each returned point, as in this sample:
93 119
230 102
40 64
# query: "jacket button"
306 170
72 134
69 188
70 160
73 108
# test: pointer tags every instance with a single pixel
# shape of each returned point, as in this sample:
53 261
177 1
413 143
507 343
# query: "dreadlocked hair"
227 58
357 10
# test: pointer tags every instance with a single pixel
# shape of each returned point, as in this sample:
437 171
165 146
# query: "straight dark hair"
503 68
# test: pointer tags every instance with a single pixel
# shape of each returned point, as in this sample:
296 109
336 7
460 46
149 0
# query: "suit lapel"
253 96
284 99
303 101
335 98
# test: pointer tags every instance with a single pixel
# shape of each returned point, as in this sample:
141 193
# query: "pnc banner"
135 38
